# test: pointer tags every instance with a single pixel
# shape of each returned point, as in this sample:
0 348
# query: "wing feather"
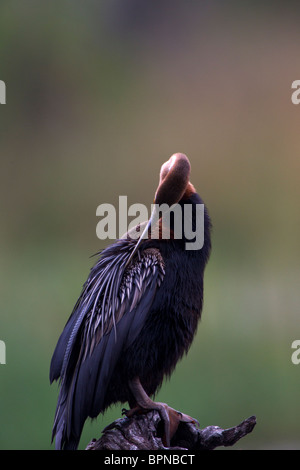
106 319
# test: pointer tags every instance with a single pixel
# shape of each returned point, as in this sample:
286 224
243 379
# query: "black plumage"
136 316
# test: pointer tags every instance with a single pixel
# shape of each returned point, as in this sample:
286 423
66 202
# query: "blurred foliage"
99 95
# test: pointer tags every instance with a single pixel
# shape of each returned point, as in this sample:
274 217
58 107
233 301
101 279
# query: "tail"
63 432
62 442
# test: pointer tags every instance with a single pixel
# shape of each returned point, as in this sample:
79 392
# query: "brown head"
174 185
174 182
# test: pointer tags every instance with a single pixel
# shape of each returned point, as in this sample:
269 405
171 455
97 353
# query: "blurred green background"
99 95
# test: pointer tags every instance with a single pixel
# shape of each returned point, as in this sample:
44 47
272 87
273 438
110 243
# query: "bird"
135 318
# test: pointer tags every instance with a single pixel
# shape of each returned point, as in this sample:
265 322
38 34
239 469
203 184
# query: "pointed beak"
144 234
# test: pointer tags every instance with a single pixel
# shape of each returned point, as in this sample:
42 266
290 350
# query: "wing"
107 318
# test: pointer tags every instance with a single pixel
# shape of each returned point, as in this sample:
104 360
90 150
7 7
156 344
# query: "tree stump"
144 432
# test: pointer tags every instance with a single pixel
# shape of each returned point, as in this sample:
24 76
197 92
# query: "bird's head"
174 180
174 184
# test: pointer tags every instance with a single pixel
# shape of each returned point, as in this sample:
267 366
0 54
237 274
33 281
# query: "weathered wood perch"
143 432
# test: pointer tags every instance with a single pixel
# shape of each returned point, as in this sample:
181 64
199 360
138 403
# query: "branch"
144 432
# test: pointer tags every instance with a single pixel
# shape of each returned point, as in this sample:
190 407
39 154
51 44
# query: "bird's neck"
190 190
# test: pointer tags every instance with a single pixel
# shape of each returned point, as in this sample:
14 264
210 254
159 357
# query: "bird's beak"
151 221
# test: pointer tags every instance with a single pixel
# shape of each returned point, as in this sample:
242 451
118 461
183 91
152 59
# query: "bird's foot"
133 411
170 417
